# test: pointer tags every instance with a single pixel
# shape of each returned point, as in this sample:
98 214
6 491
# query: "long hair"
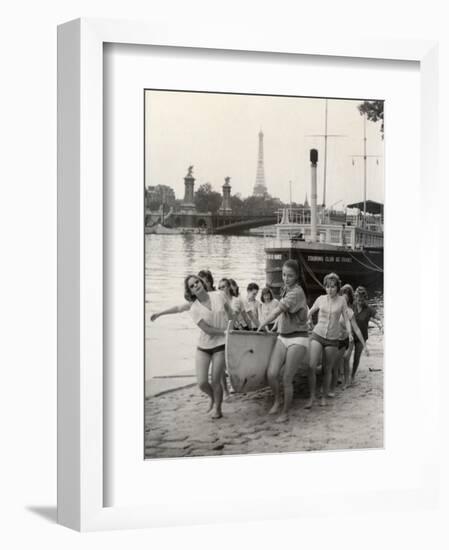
187 292
266 291
234 287
293 264
226 281
361 290
206 275
349 291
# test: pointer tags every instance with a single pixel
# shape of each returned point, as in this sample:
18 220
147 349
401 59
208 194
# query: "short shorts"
211 351
325 342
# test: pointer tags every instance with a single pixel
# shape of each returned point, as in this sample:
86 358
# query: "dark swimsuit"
211 351
325 342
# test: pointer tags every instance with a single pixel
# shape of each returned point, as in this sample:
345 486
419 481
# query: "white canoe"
247 358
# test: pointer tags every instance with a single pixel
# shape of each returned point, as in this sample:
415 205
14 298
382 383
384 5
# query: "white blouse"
215 317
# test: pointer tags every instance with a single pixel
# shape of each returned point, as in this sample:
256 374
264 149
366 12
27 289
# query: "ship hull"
355 267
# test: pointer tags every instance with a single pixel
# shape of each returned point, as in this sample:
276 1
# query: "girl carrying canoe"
344 346
292 342
363 314
210 311
324 342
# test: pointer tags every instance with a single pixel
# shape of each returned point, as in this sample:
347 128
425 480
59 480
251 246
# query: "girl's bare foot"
282 418
309 403
331 394
275 408
211 405
217 414
323 402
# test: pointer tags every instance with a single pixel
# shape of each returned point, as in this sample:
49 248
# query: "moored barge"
350 245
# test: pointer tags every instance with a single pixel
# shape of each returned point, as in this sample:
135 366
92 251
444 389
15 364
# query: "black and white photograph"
264 273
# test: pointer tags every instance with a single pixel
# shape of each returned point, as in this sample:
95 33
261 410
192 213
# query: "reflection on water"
171 340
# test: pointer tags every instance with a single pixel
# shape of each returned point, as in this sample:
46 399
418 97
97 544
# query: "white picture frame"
81 488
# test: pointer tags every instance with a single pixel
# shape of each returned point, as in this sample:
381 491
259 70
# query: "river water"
171 340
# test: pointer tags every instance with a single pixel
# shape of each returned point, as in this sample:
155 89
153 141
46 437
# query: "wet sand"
177 424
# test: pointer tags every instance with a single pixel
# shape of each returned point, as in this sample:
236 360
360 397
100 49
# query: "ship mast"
365 157
364 170
325 136
325 155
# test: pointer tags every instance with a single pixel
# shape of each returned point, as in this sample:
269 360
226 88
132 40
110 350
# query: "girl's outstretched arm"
171 310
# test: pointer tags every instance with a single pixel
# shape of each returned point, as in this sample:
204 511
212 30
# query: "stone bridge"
232 224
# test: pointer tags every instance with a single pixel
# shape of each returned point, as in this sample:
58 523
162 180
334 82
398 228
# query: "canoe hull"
247 358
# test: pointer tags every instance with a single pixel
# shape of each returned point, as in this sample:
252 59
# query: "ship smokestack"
313 201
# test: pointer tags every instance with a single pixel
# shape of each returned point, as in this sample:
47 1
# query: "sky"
218 135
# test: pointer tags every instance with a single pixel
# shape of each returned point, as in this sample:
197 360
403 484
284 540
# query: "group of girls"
336 333
331 341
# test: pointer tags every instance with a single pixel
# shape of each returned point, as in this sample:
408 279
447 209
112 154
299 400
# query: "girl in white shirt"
206 276
210 311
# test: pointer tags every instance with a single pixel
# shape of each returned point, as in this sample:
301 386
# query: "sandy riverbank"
177 425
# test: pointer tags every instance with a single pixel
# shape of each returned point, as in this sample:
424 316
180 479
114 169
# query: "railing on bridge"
239 222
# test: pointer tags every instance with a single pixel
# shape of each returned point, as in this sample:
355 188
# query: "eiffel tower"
260 188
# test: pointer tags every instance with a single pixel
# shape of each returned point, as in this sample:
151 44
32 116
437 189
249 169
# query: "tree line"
208 200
